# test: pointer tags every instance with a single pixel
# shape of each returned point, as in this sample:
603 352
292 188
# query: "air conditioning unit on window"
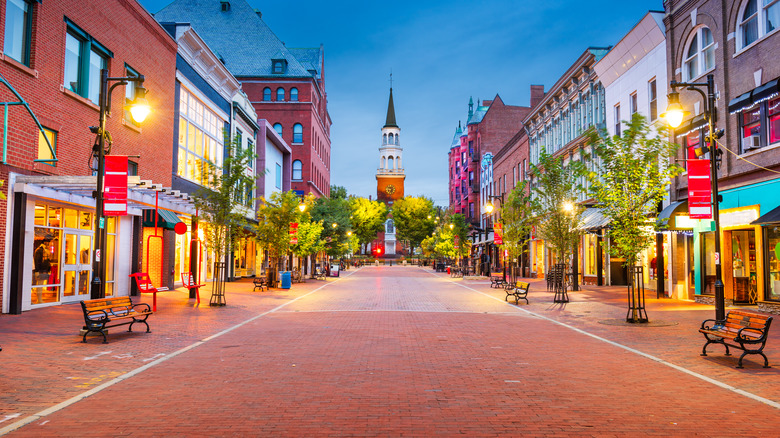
751 142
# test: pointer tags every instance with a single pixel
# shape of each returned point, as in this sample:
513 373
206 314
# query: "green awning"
166 219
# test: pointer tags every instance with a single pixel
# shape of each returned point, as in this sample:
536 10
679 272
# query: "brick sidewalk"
45 363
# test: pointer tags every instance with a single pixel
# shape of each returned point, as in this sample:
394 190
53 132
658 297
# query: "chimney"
537 94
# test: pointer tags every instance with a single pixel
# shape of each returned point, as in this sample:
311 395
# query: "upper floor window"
84 58
278 129
266 94
280 94
617 120
278 181
652 98
700 55
18 30
760 125
44 153
297 170
632 103
297 133
756 20
293 94
130 95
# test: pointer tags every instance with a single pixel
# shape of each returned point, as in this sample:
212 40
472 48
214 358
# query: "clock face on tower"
390 189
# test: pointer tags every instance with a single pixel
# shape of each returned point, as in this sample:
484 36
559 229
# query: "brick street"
384 351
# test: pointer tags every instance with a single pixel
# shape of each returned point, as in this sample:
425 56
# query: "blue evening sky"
441 53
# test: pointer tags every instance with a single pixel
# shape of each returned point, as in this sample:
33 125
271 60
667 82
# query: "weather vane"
391 78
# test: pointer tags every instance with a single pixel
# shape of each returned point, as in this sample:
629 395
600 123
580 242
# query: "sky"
441 53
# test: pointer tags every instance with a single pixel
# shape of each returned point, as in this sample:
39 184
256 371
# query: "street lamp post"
489 209
674 115
139 109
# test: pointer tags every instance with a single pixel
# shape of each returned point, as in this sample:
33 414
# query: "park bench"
497 281
456 272
742 330
189 282
320 274
145 286
518 290
116 311
261 282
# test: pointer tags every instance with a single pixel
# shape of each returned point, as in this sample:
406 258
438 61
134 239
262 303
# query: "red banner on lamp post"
293 233
115 186
498 233
699 189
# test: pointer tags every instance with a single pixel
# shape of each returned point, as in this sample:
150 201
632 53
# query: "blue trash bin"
286 280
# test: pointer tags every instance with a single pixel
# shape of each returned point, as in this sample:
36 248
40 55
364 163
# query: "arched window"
280 94
390 164
384 163
294 94
700 55
384 138
396 139
266 94
757 19
297 133
398 162
389 228
297 170
278 129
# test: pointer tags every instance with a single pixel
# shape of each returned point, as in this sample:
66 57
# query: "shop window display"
743 264
773 263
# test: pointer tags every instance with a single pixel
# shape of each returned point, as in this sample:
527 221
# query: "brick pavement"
386 351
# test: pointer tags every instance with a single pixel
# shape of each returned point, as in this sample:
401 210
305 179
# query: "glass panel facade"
200 138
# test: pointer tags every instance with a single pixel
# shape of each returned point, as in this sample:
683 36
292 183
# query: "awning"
772 217
592 219
693 123
664 217
754 96
741 102
166 219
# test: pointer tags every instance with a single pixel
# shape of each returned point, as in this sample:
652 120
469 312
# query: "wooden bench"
742 330
261 282
188 281
518 290
497 281
99 313
145 286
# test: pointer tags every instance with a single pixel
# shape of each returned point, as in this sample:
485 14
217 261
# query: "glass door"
76 266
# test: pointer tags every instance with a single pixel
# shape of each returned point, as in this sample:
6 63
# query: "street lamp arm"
692 86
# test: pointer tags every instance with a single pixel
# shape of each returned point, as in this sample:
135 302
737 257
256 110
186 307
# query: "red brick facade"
136 40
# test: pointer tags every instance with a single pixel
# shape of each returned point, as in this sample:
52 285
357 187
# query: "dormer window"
279 66
225 5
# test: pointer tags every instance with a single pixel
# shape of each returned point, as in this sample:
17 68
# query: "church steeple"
390 122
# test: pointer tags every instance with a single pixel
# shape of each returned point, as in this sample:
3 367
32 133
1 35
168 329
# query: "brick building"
286 86
738 46
52 58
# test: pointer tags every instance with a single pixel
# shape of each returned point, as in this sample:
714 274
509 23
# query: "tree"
334 214
517 216
367 218
411 216
224 203
309 238
630 182
555 193
274 216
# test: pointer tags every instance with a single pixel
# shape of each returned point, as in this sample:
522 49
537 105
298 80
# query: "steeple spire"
471 107
390 122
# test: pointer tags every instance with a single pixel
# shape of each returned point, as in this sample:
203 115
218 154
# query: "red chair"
145 286
189 282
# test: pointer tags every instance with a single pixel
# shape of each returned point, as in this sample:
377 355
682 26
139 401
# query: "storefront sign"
699 189
738 216
498 233
115 186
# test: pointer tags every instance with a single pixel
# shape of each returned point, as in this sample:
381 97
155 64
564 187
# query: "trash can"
334 270
286 280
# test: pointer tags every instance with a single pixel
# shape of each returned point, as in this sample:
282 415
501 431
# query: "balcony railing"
390 171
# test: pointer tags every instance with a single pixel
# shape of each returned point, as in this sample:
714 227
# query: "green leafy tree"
517 216
224 203
309 238
555 194
274 216
412 219
631 180
334 214
367 219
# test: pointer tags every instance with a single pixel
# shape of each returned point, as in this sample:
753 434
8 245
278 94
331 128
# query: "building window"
278 129
297 133
266 94
200 138
617 120
700 56
132 168
130 95
280 94
84 58
652 97
279 66
278 176
18 30
44 153
755 22
297 170
752 122
633 103
293 94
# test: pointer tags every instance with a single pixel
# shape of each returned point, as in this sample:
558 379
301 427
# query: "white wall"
273 156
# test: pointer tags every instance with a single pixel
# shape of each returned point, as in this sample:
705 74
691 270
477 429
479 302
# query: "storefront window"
708 263
46 264
774 120
590 254
743 265
773 263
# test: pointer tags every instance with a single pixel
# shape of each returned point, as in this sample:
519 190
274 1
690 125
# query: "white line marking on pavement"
102 353
154 357
9 417
48 411
717 383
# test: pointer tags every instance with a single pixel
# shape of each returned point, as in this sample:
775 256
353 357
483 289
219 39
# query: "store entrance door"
76 266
